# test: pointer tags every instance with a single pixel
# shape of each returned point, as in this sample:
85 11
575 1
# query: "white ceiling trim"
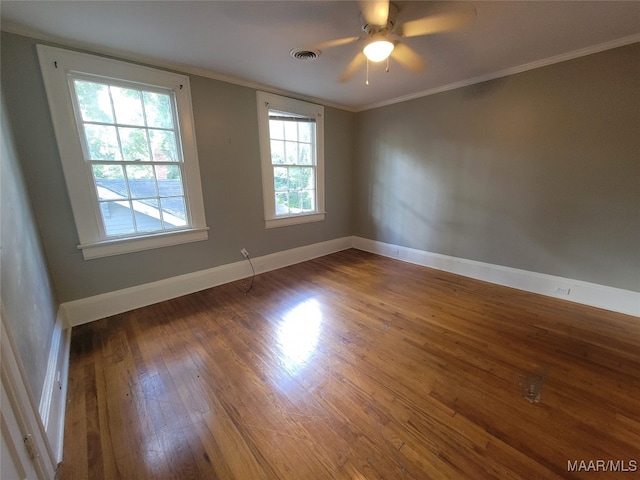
188 69
621 42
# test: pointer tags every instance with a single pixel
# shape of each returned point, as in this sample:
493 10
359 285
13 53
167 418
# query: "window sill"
121 246
293 220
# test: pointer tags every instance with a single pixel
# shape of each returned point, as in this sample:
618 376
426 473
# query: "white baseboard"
19 414
54 391
592 294
104 305
285 258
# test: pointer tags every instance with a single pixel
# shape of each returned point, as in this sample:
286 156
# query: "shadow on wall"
404 198
421 198
455 191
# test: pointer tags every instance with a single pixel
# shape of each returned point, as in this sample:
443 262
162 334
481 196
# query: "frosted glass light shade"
379 50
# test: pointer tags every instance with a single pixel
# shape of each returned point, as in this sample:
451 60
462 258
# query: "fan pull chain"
367 80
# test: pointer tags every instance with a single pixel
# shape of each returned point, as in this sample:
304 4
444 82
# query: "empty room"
291 240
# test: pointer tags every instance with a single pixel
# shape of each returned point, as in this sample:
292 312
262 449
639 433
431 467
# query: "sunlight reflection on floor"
298 334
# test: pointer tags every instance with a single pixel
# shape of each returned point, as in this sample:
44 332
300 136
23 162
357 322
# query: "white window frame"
56 64
268 101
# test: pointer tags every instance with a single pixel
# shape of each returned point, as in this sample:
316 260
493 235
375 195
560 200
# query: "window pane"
110 182
297 178
134 144
291 152
304 131
147 216
295 201
102 142
282 203
128 106
308 201
304 154
94 101
142 182
169 180
163 146
291 131
277 151
157 107
276 129
294 189
280 178
309 178
174 212
117 217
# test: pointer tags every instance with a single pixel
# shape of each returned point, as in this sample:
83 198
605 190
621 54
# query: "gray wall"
538 171
226 125
27 294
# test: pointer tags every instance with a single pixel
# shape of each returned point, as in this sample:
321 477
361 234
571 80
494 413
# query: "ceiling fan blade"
408 58
442 22
353 66
335 43
375 12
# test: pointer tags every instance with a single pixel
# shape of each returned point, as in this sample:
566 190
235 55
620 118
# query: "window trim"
265 101
56 64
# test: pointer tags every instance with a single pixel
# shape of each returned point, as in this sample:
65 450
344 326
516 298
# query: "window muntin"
292 151
131 143
122 152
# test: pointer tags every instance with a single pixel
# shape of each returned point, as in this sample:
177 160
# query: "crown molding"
159 63
620 42
189 69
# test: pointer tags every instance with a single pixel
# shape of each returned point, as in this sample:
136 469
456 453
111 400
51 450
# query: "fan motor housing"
371 29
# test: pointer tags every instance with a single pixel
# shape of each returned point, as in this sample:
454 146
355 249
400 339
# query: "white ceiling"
249 42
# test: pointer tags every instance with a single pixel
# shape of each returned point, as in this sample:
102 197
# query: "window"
126 140
292 152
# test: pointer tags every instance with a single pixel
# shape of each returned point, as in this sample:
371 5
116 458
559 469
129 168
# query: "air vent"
304 54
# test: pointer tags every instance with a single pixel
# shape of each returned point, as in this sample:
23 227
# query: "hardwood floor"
354 366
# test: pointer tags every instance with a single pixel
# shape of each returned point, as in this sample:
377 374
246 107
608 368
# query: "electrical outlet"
244 253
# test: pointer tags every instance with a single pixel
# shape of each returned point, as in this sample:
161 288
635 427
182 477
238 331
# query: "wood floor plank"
353 366
76 420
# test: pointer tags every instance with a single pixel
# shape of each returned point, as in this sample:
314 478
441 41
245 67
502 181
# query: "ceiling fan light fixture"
378 50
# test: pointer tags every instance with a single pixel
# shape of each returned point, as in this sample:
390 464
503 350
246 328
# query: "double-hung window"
292 152
125 135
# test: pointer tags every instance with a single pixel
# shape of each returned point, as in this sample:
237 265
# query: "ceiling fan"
383 37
